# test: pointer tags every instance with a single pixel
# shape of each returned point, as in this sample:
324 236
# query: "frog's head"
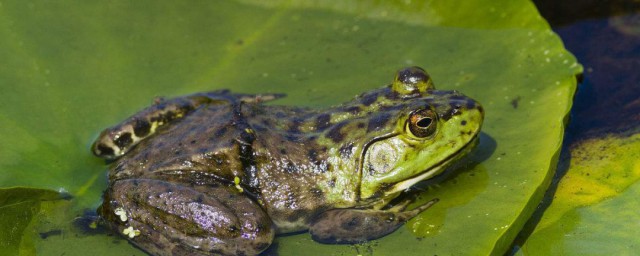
427 130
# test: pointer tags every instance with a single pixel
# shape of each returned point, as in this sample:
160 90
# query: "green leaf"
71 69
595 207
18 207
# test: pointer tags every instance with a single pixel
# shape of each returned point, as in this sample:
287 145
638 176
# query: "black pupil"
424 122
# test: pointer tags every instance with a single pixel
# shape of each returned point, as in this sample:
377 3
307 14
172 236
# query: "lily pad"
592 208
72 68
595 207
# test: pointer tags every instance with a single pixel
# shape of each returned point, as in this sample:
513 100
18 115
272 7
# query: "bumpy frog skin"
221 173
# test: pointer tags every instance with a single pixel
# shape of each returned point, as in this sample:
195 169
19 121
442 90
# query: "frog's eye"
422 123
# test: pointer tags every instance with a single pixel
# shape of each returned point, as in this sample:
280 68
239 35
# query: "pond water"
605 38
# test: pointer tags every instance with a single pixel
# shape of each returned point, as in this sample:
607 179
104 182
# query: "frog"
223 173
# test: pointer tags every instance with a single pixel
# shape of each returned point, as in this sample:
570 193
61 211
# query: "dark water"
605 37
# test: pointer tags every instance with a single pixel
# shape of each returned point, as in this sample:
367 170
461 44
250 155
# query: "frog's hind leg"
115 141
350 226
169 218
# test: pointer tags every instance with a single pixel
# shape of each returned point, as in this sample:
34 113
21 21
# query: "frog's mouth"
436 169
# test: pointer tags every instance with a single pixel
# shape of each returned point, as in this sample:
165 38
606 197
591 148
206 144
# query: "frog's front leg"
350 226
167 218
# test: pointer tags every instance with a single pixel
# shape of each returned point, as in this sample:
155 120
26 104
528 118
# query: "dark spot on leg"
124 140
163 117
141 128
463 122
105 150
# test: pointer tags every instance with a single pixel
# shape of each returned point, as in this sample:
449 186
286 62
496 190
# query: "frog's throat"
436 169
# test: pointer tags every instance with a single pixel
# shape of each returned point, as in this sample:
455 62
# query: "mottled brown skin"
177 163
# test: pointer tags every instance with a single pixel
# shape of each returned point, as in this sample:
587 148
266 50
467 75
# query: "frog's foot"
350 226
115 141
165 218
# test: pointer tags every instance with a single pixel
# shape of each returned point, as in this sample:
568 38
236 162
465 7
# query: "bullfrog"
222 173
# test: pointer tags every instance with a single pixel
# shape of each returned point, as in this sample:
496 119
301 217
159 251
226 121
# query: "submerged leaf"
18 206
595 207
